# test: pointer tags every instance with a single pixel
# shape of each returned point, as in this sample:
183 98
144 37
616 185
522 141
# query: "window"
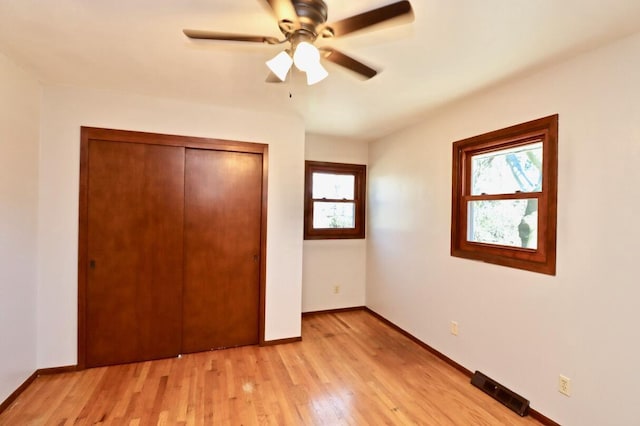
504 196
334 198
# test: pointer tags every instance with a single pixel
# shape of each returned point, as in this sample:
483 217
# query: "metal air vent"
507 397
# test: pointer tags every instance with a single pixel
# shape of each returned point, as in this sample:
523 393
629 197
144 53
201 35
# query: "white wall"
524 328
19 125
64 110
330 263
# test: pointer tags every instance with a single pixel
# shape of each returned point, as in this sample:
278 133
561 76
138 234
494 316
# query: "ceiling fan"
302 22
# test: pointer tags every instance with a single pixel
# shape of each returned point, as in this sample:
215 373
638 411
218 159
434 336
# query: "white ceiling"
453 48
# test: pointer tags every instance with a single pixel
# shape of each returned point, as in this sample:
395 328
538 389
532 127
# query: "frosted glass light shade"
316 74
306 56
280 65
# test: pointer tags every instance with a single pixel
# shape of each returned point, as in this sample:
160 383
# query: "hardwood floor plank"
350 369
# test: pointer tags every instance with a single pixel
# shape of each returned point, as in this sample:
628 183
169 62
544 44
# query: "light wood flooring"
350 369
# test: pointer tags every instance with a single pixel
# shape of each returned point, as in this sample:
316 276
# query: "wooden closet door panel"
223 202
135 244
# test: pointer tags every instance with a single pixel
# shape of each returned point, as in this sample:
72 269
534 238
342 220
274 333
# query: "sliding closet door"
134 250
223 205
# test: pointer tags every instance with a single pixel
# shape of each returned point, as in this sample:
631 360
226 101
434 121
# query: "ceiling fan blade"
210 35
372 17
348 62
284 10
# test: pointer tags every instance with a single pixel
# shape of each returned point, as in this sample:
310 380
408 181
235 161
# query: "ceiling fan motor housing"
311 15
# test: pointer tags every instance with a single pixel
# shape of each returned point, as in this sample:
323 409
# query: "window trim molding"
359 171
542 259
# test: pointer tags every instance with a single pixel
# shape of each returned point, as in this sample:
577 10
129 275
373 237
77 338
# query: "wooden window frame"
543 258
359 172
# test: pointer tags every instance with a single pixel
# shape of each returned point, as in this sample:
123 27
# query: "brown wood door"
134 246
223 202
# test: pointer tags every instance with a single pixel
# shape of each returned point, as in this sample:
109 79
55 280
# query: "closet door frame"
110 135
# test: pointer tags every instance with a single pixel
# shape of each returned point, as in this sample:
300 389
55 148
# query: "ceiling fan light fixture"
306 56
280 65
316 74
302 22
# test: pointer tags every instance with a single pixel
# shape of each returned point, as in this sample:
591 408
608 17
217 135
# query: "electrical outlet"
564 385
336 289
454 328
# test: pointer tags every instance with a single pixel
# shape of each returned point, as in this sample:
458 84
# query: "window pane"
333 186
334 215
508 170
505 222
